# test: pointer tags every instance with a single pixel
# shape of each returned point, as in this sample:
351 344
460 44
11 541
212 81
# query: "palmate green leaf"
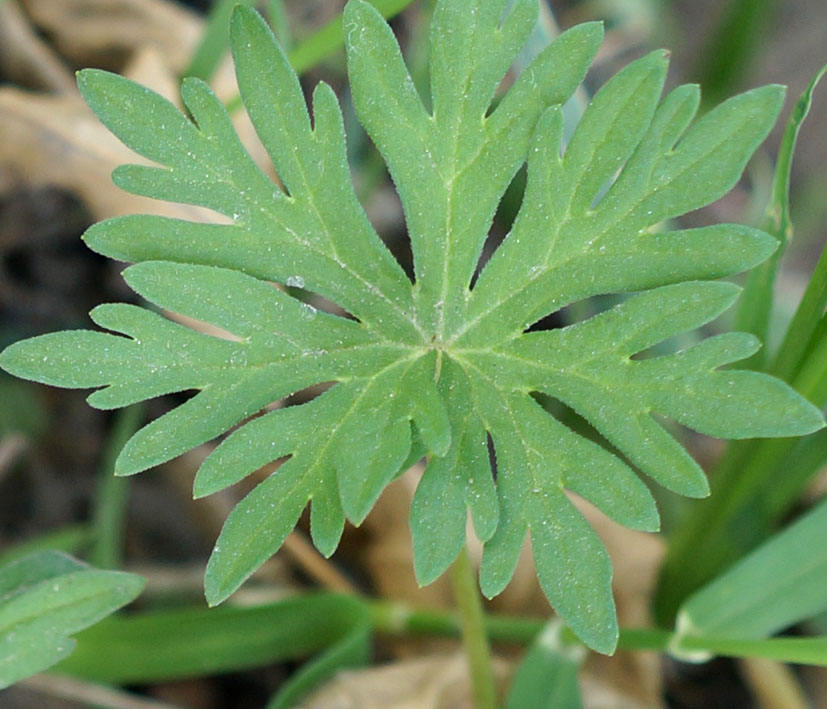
436 366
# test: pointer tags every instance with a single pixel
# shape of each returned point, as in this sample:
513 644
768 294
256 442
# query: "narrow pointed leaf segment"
431 367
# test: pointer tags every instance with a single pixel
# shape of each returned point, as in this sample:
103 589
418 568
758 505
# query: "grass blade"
215 41
353 650
113 494
805 322
327 40
801 651
756 302
547 675
196 641
779 584
734 45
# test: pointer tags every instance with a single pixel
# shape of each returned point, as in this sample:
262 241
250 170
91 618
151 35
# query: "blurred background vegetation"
56 453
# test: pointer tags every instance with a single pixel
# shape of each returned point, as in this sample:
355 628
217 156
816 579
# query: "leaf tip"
606 644
357 512
215 587
649 521
200 489
727 292
441 444
765 246
212 601
91 82
597 26
592 32
600 636
358 12
126 466
324 97
697 488
490 586
92 237
84 77
129 585
18 359
420 573
137 275
244 23
358 6
657 61
812 419
780 90
326 549
243 14
192 87
425 571
771 96
7 359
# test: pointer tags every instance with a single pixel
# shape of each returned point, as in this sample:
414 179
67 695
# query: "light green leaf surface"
196 642
440 365
44 599
777 585
547 676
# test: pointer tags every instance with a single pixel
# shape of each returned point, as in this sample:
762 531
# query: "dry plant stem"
28 56
773 684
11 447
301 551
474 637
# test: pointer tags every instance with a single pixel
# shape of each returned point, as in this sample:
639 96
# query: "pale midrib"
247 371
305 479
607 229
537 483
531 279
379 78
261 205
449 207
329 234
562 372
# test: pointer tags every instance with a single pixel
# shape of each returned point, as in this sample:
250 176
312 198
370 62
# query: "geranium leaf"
445 365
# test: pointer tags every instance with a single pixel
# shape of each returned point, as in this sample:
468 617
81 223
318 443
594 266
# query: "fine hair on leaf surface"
431 367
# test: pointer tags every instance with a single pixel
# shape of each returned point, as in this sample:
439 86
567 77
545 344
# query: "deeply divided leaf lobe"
432 367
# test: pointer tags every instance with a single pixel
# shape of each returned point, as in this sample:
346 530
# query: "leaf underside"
431 367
